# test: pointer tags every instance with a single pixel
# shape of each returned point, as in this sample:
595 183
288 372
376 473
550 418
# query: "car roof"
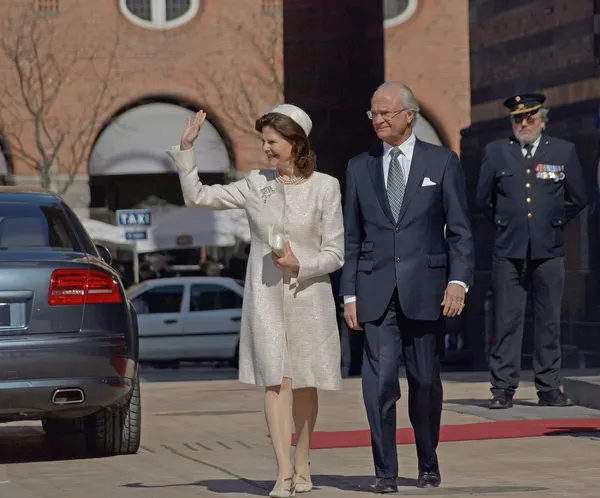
28 194
178 280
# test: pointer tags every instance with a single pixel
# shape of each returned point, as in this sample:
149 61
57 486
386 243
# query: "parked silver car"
188 319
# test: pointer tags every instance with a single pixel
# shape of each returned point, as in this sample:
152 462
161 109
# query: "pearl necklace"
293 181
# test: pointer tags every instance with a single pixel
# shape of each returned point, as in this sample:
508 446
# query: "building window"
177 8
272 6
141 9
47 7
396 12
159 14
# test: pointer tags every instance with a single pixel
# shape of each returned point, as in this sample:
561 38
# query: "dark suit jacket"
528 205
412 255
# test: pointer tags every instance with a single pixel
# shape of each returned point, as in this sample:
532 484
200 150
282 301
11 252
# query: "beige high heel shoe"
279 491
302 484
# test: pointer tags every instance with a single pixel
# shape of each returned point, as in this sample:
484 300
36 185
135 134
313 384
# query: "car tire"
116 430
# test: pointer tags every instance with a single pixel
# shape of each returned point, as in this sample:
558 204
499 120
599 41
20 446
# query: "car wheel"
116 430
54 427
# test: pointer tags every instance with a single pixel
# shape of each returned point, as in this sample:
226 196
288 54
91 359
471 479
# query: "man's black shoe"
429 480
385 485
501 400
554 398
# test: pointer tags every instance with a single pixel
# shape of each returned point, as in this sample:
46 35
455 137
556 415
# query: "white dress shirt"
533 149
407 148
405 159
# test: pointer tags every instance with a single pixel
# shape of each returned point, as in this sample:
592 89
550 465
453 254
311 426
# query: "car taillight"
72 287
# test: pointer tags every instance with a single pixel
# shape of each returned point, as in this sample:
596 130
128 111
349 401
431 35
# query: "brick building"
333 67
175 56
169 58
427 47
550 46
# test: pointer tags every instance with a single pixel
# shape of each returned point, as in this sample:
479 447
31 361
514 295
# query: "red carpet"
466 432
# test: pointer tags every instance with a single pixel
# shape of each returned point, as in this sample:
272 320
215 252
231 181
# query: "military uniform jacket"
530 200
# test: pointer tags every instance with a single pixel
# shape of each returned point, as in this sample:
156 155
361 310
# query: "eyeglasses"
527 118
385 114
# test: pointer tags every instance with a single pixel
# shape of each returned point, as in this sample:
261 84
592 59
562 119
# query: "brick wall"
175 63
430 53
497 21
531 45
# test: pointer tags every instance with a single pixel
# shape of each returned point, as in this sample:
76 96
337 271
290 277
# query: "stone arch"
140 128
128 165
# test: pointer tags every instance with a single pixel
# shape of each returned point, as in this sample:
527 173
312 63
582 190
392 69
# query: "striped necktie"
396 184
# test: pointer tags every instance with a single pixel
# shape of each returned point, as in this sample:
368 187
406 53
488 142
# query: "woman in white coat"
289 339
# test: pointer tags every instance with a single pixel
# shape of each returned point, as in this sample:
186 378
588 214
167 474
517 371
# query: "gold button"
528 185
529 172
528 200
529 215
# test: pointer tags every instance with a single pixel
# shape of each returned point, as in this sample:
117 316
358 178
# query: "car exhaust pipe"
69 396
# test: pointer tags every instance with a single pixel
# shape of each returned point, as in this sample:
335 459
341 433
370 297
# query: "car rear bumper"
33 399
31 370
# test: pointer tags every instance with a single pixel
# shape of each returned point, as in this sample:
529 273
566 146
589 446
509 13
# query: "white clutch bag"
277 240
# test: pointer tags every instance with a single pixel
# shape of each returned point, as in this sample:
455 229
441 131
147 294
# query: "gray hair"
409 101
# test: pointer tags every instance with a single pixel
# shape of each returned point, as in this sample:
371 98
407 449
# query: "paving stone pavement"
208 438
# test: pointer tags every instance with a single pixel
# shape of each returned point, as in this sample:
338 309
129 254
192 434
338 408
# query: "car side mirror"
104 254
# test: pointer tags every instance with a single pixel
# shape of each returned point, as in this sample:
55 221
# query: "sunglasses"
529 118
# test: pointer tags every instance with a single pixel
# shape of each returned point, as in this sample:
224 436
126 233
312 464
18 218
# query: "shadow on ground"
483 403
27 444
407 487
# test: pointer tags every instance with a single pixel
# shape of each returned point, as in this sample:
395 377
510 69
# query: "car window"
161 299
209 297
29 226
84 237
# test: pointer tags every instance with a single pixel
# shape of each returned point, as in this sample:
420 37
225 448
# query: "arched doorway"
129 169
128 165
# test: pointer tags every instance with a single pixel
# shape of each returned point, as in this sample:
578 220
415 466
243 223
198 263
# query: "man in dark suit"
530 186
402 272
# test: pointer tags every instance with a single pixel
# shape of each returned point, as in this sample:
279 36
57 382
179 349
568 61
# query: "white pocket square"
427 182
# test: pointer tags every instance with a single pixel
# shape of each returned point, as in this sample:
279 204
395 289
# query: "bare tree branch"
43 62
252 82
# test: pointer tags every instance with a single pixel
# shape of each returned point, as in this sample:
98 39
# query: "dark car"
68 333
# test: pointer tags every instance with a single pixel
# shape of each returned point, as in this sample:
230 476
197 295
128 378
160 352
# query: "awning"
194 227
135 143
179 228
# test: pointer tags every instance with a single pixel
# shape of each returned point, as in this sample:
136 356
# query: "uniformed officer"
530 186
